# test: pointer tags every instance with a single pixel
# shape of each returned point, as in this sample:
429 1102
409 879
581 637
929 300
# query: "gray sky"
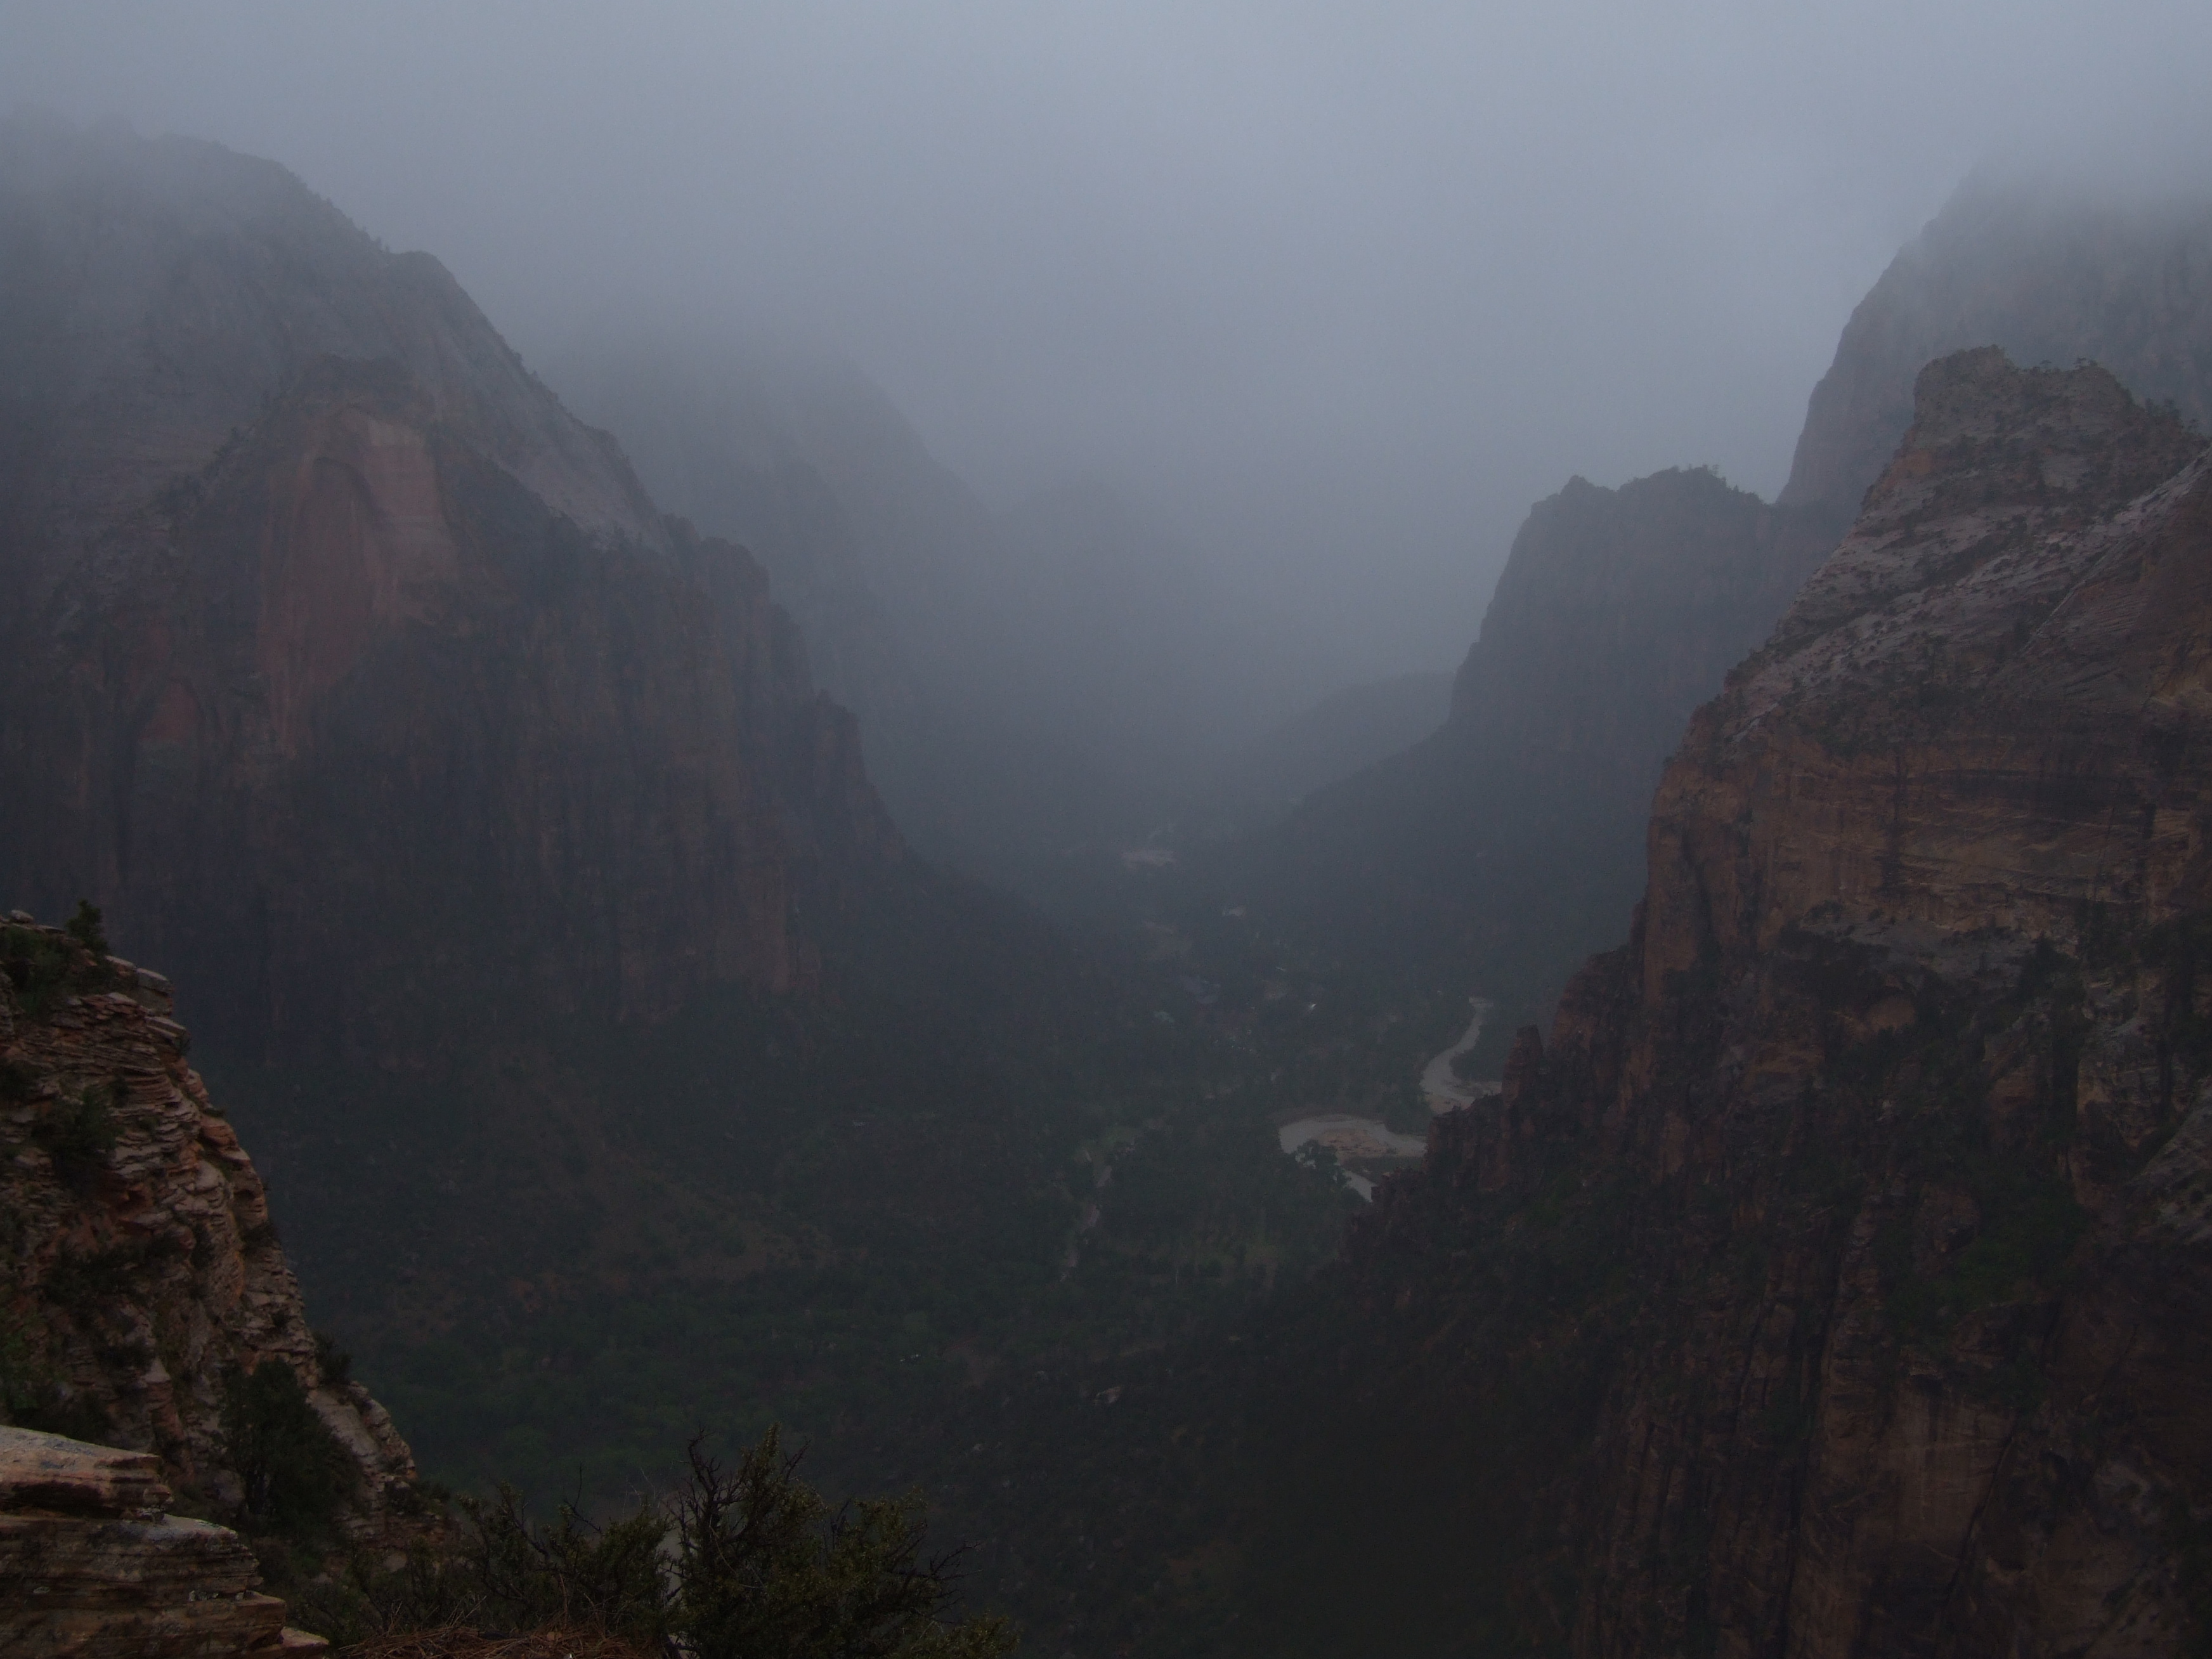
1339 289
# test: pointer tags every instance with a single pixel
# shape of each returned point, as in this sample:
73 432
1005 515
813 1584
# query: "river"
1367 1140
1443 1088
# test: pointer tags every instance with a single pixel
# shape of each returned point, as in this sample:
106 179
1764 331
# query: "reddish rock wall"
353 676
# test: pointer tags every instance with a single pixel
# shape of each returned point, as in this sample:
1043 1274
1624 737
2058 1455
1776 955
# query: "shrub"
31 1397
86 1284
364 1598
335 1363
294 1473
78 1134
573 1574
88 927
763 1565
37 964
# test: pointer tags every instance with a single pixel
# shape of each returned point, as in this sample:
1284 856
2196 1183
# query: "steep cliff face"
1506 844
1890 1122
2049 273
140 1270
342 661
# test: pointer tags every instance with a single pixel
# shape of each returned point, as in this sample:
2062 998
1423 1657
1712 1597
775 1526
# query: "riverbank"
1355 1140
1368 1149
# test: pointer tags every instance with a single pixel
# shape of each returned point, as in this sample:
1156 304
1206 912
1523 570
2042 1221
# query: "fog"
1333 292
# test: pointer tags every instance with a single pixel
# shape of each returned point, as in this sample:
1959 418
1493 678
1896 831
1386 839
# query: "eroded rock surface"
138 1266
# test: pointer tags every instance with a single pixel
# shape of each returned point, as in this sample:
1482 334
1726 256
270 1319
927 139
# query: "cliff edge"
144 1283
1861 1194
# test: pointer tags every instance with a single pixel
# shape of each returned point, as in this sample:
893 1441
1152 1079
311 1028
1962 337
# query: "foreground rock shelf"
92 1565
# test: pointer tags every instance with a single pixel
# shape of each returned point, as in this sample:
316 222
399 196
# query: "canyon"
1822 1276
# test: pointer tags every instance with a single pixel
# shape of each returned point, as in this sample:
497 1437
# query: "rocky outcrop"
2050 273
343 667
1893 1111
92 1566
140 1272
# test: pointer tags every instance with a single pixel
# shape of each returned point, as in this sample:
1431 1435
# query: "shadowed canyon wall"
1501 850
341 663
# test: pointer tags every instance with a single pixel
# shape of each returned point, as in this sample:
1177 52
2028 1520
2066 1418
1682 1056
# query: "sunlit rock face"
1899 1094
142 1273
341 663
2049 273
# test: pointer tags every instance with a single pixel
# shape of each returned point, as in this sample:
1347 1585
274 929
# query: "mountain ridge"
355 578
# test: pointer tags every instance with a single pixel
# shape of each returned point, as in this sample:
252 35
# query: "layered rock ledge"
92 1566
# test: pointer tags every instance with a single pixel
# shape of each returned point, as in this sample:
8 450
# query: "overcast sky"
1338 290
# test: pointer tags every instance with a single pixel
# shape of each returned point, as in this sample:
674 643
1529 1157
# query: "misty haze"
968 830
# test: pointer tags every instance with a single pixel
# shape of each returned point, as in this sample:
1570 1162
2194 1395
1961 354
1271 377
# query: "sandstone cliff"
341 665
2052 273
93 1566
139 1268
1860 1195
